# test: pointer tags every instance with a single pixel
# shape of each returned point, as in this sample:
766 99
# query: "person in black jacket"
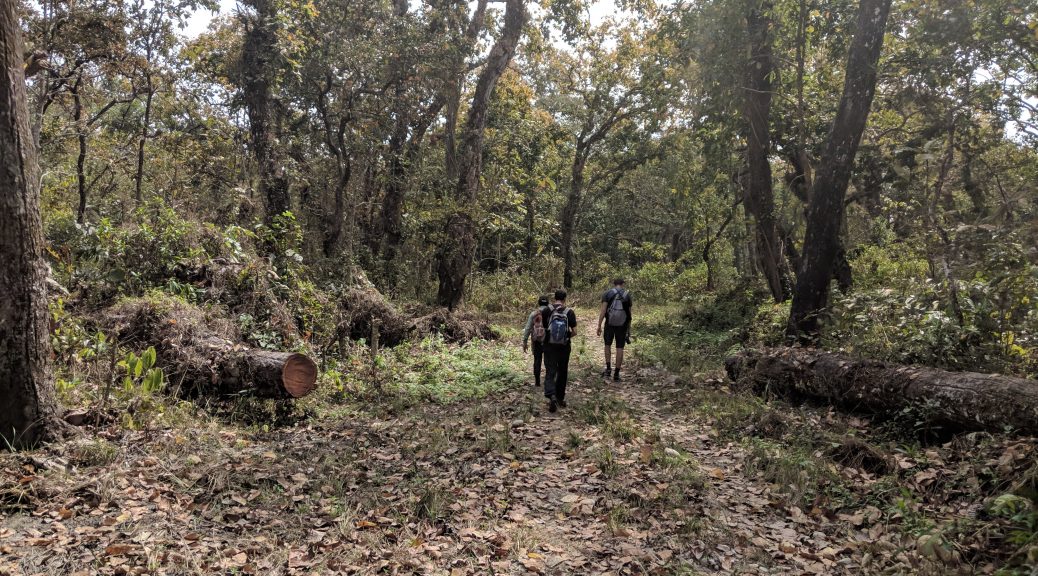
616 313
557 345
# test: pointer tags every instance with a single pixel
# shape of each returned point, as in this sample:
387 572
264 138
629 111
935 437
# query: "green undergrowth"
429 370
664 336
434 371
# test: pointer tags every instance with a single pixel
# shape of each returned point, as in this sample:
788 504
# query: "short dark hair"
542 301
618 281
560 295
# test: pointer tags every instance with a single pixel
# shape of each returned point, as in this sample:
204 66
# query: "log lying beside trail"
233 369
954 400
201 353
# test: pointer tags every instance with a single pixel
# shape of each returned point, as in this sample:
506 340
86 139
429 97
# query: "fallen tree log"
203 355
234 369
953 400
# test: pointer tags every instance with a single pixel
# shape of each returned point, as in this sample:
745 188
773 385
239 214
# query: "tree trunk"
455 259
333 226
760 196
198 360
568 222
258 63
263 373
825 211
954 400
391 221
27 404
970 185
531 214
81 139
145 129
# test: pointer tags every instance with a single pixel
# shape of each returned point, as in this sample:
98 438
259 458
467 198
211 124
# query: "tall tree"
26 398
259 67
608 96
760 198
424 78
455 257
826 201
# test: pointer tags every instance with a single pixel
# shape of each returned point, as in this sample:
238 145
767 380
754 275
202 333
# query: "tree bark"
760 198
27 404
455 259
138 178
568 222
258 55
953 400
81 139
263 373
826 207
529 203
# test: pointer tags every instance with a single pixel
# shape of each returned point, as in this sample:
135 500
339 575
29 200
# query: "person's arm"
528 329
630 316
602 314
572 322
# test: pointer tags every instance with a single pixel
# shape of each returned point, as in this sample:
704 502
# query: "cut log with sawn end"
957 401
280 374
203 355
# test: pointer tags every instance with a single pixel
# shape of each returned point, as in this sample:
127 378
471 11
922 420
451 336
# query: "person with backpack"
616 313
560 324
535 329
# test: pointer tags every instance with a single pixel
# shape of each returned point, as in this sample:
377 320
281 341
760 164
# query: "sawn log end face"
299 376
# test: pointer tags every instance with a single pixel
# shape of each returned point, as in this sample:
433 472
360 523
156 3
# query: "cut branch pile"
365 307
202 354
954 400
453 326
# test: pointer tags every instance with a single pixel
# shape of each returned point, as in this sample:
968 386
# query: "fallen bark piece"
955 400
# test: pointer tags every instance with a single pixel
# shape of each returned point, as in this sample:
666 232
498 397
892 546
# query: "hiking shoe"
552 405
605 373
562 403
616 376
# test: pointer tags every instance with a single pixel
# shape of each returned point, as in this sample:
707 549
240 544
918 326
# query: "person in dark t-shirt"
560 324
615 312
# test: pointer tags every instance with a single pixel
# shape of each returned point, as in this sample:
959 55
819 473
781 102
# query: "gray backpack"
616 316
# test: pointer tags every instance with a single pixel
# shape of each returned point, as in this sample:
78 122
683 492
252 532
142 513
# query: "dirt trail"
620 482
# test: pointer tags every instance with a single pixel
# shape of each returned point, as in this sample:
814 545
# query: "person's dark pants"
538 359
556 361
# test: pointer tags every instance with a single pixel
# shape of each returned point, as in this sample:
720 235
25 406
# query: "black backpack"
558 325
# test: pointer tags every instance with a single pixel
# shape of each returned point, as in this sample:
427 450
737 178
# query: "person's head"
542 301
560 295
618 282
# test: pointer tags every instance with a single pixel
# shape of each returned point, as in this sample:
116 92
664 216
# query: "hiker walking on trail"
560 324
616 313
535 329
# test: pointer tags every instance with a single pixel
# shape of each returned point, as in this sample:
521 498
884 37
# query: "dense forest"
836 202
